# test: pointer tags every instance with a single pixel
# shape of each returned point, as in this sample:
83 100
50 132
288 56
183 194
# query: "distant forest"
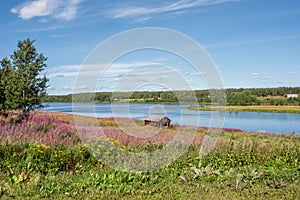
240 96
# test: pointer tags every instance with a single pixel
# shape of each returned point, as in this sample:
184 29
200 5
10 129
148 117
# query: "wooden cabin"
157 120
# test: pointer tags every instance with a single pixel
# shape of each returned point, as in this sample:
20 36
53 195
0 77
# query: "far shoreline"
271 109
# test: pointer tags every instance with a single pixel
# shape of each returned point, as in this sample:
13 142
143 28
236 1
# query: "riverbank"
44 156
274 109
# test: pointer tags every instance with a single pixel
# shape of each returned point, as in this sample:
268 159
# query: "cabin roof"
155 118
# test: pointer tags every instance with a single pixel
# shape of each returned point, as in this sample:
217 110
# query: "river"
248 121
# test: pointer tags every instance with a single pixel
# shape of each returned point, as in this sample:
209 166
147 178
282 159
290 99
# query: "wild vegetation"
43 156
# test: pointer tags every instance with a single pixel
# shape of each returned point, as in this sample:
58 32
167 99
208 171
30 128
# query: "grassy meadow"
43 157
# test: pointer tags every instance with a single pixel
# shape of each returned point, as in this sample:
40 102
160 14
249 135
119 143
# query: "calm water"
249 121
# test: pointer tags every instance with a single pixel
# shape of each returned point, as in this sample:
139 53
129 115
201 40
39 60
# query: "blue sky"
254 43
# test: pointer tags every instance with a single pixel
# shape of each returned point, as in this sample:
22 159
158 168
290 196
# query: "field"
44 157
277 109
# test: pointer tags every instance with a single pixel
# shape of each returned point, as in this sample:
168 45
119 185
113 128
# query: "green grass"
274 109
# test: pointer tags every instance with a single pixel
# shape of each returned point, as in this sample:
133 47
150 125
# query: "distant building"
115 99
157 120
292 96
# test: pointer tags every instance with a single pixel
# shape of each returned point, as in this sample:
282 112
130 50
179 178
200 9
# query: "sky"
253 43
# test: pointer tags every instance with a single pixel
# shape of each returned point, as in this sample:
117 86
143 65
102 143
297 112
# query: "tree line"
239 96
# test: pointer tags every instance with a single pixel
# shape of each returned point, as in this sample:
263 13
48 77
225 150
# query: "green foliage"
21 86
242 99
239 169
252 96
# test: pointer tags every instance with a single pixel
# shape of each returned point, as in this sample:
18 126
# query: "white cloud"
67 68
115 70
254 75
66 88
69 10
180 5
64 71
60 9
36 8
142 20
127 12
121 76
260 76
